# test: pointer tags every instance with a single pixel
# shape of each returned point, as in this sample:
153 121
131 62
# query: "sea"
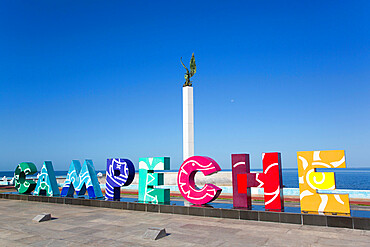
348 178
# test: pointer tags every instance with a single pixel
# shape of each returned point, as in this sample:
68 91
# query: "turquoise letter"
148 179
47 183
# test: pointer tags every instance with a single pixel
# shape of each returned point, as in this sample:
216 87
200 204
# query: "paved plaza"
92 226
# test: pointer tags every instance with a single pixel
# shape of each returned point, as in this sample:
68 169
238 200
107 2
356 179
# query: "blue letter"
82 179
120 172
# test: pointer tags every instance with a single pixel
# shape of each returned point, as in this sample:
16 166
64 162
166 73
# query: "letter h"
270 180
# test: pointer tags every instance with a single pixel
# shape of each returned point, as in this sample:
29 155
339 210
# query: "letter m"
82 179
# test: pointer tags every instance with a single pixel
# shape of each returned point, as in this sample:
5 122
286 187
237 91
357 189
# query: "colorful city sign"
121 172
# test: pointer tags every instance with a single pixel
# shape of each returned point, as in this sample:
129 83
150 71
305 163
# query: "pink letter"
186 183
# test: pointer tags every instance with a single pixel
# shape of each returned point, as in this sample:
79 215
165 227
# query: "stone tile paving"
91 226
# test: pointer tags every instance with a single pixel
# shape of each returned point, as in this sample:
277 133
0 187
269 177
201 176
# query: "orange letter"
310 181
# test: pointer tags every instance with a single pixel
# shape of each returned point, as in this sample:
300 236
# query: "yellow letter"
310 181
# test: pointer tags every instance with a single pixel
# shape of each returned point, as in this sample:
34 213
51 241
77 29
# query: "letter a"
47 183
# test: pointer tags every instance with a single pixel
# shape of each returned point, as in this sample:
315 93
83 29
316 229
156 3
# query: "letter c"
186 183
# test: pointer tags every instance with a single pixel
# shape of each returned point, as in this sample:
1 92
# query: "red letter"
270 180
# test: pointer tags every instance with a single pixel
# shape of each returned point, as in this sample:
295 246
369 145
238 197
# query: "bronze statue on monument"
193 70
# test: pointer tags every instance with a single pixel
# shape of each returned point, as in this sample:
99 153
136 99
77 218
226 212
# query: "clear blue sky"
102 79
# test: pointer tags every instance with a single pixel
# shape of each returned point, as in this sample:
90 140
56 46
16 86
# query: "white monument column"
187 122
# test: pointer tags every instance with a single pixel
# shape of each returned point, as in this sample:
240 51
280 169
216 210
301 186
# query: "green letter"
20 182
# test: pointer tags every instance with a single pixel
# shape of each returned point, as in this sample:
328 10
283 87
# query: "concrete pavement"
92 226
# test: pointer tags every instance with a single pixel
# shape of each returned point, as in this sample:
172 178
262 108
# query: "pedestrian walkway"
92 226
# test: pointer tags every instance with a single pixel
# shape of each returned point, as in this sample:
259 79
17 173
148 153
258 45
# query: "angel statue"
193 70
